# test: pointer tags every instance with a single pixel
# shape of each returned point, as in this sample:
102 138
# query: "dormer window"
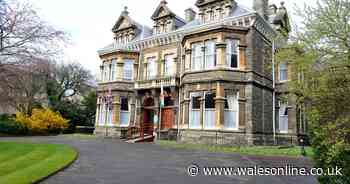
165 20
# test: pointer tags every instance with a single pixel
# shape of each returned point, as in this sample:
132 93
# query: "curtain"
152 68
210 54
232 53
209 119
128 70
195 119
169 65
195 112
124 118
197 56
283 118
231 112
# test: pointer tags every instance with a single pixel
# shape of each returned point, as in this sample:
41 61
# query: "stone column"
186 110
241 109
220 105
202 111
221 52
119 69
132 110
116 111
188 53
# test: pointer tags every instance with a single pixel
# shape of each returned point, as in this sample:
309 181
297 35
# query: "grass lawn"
25 163
253 150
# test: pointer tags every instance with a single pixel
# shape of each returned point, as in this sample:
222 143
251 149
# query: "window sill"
213 69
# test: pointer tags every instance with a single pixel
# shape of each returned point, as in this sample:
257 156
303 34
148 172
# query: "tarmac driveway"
107 161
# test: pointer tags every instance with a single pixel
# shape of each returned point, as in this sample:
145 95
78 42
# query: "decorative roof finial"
282 3
125 12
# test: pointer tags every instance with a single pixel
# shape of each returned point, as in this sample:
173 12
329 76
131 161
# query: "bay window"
169 66
195 112
152 68
232 53
231 111
209 111
128 70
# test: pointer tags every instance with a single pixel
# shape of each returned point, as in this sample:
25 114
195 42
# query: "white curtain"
197 56
210 54
169 65
152 68
124 118
103 114
195 119
209 119
232 51
195 113
110 116
231 113
128 70
113 71
283 118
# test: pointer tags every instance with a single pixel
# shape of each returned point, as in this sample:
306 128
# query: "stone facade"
213 72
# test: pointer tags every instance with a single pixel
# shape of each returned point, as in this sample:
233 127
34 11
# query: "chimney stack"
190 15
261 6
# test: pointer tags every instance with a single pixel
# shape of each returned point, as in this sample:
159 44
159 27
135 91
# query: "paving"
111 161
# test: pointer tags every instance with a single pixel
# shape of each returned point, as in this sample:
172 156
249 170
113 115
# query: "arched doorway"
148 113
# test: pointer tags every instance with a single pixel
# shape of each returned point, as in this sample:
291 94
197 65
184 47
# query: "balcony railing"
156 83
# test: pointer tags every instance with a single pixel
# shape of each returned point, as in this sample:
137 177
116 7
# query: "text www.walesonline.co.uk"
195 170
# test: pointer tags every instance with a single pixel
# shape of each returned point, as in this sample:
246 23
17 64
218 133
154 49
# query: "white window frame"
169 70
194 94
229 52
285 69
152 64
282 116
106 72
126 70
129 112
114 70
207 54
210 109
199 58
236 110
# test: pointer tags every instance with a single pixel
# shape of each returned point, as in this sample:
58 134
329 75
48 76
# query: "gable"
123 22
162 11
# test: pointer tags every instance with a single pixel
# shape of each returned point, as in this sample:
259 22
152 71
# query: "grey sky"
90 21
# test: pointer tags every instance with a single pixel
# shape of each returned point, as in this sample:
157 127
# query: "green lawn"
25 163
253 150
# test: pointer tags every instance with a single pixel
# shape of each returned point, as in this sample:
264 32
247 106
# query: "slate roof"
147 32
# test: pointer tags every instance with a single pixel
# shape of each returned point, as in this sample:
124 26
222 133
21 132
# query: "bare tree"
24 87
24 35
68 80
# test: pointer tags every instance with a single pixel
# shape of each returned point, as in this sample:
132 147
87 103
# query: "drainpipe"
273 93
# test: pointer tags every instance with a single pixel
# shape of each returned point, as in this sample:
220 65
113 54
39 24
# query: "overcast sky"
89 22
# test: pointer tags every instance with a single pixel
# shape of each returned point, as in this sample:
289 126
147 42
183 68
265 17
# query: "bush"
42 121
8 126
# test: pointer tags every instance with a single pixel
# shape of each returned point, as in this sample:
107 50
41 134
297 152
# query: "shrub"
42 121
8 126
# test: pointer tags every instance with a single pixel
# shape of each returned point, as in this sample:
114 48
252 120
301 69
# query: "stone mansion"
204 78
